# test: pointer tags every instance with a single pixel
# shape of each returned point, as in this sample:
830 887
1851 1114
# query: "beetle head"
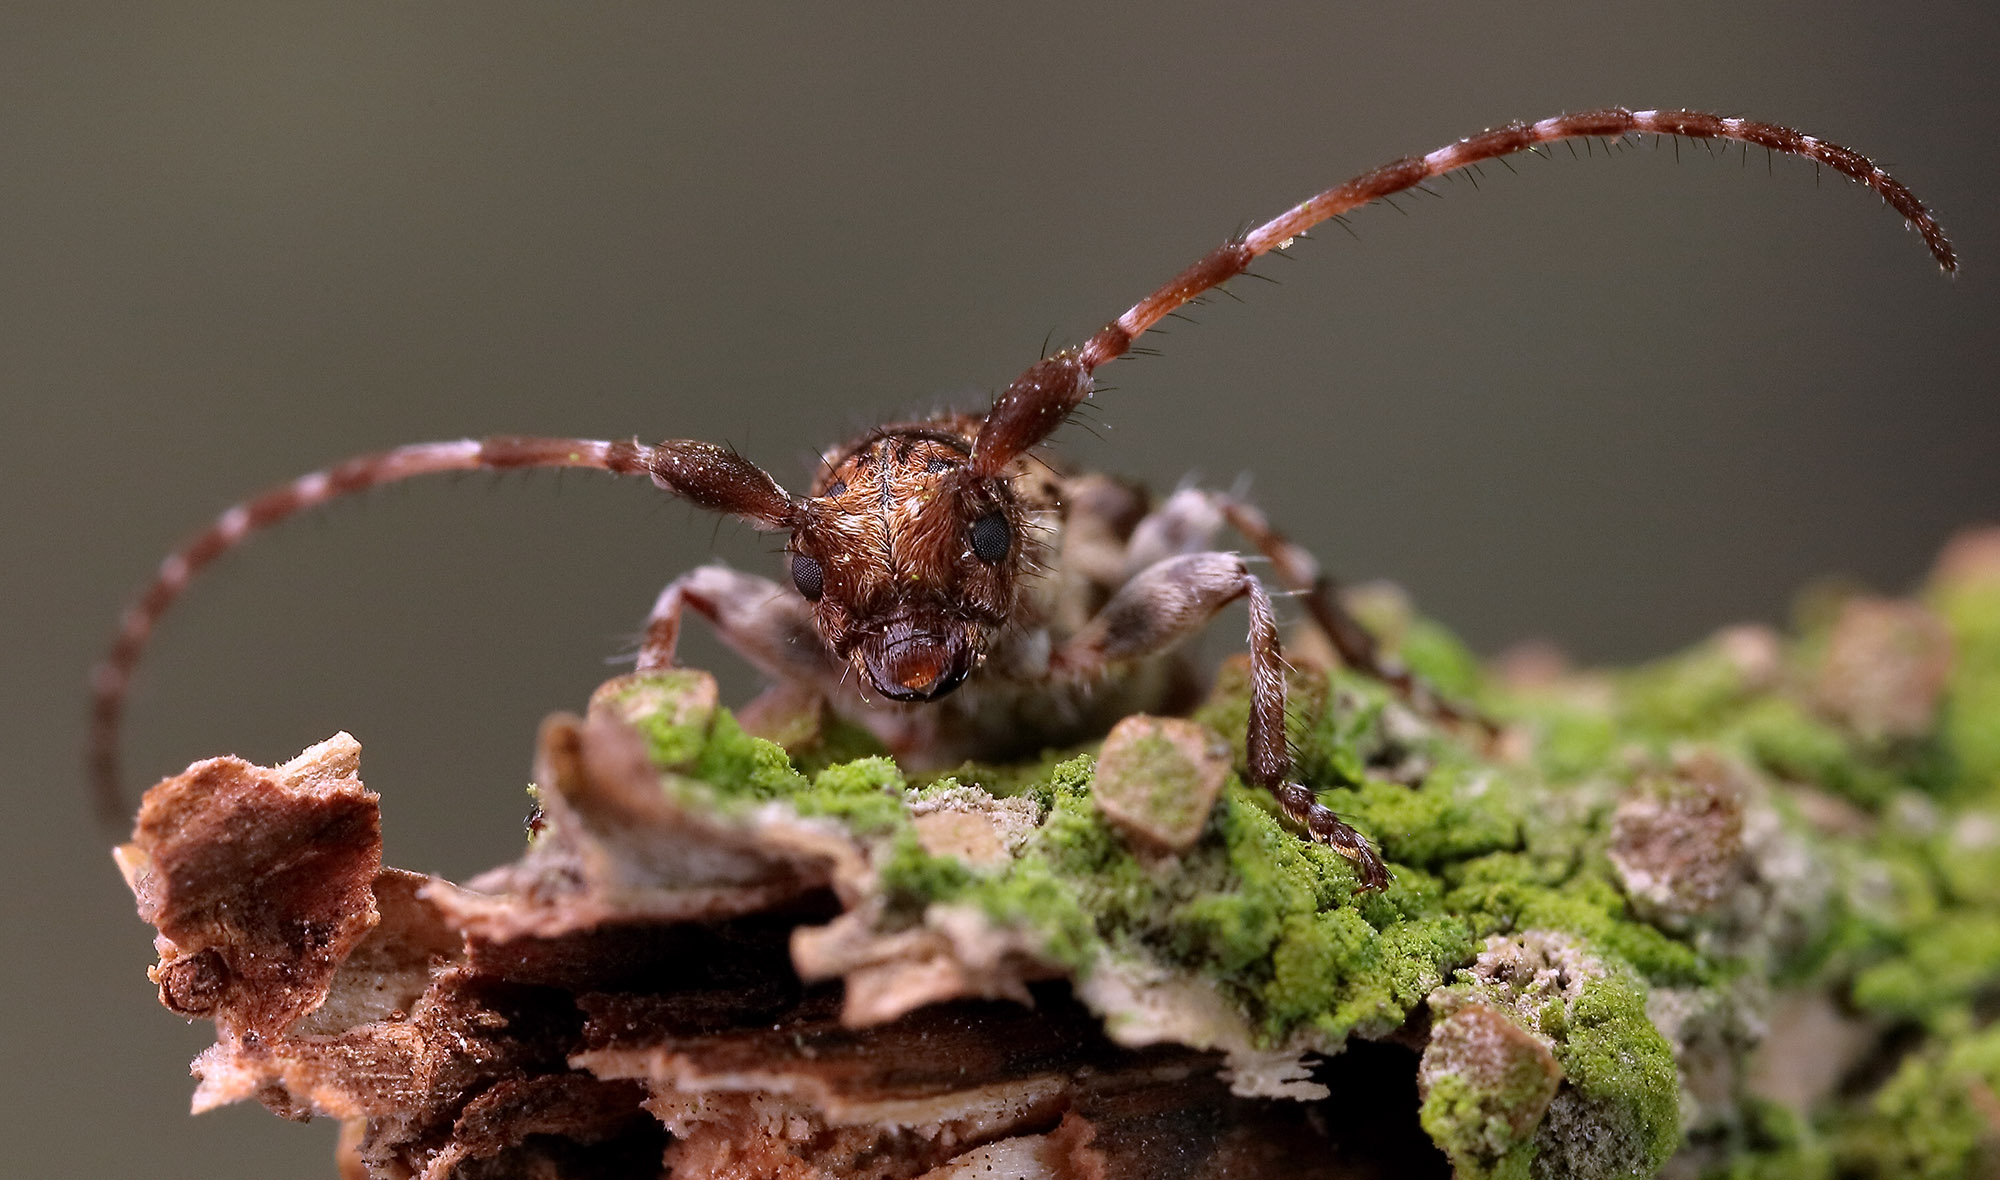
909 560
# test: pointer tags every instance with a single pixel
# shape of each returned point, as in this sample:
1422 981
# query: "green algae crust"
1489 840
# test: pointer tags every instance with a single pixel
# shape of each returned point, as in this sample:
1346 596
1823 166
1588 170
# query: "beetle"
948 588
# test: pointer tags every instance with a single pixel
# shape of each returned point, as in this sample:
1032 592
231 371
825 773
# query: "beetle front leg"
765 623
1170 601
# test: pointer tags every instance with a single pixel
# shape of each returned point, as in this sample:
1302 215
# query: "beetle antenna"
710 476
1039 400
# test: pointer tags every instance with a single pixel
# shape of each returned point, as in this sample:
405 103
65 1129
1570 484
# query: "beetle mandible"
951 591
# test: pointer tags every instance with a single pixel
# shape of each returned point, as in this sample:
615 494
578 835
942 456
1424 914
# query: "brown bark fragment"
623 1001
259 881
1158 778
1677 839
1510 1069
1886 667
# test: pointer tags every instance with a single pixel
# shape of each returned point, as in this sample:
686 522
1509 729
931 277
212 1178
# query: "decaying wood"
623 1001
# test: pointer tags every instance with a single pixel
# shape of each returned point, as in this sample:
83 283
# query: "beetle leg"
1186 522
765 623
1171 600
1299 572
1098 514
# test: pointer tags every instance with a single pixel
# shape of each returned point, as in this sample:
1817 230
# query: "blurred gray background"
1616 403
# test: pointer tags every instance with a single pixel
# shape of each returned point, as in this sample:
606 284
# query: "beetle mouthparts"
910 665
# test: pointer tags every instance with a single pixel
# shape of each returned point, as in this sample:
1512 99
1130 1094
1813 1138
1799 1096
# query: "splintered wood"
624 1002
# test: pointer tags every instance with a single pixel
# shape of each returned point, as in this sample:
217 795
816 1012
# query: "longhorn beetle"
932 553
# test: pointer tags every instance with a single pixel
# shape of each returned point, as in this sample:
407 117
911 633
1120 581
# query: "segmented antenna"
1044 397
1234 257
113 674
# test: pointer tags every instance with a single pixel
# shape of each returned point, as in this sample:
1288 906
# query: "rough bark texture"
1734 912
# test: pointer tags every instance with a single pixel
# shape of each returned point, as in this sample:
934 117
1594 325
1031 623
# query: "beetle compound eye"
990 537
808 577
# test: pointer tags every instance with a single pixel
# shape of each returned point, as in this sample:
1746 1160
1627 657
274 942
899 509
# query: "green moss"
1055 776
1695 692
1942 967
1934 1119
1617 1110
1967 857
1434 653
1065 887
1782 737
1616 1059
1029 778
1032 895
912 878
1902 919
672 711
1236 927
1970 731
1468 1121
1774 1143
835 741
741 765
866 795
1464 810
1414 957
1572 739
1280 928
1506 891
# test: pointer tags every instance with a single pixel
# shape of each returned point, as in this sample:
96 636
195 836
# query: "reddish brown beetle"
937 554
